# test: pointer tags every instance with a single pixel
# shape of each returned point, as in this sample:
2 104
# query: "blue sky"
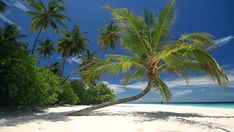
212 16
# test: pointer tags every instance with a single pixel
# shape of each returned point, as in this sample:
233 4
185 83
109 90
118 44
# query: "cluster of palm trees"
52 15
152 48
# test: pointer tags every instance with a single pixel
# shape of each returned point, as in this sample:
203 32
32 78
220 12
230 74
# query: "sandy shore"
122 118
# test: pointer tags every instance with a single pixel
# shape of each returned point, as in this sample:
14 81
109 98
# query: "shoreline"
123 117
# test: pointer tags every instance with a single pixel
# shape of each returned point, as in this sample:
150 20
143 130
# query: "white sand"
124 118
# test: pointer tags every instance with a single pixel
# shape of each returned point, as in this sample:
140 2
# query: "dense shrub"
22 82
100 93
80 90
68 95
92 95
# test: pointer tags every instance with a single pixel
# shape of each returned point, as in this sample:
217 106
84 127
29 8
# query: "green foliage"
154 50
81 91
47 15
46 48
55 68
22 82
109 35
68 95
72 44
96 94
99 94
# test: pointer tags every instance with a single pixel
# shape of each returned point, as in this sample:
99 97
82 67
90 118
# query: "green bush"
80 90
100 93
93 95
68 95
22 82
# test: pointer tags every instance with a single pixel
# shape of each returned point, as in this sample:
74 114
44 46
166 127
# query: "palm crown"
46 48
46 15
51 15
109 35
153 50
72 44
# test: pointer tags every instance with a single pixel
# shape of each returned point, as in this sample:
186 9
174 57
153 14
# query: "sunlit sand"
122 118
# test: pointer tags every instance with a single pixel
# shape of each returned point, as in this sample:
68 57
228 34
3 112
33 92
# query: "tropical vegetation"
45 15
151 50
26 83
154 50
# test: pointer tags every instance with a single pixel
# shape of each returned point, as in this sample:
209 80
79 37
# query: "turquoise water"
231 106
211 105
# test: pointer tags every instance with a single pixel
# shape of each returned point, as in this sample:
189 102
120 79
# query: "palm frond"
135 75
193 57
165 19
201 39
163 88
132 27
123 58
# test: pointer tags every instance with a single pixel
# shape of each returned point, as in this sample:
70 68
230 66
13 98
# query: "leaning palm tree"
154 50
44 16
109 35
46 49
72 44
3 6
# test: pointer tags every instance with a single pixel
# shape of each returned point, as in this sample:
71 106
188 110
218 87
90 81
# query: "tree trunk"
63 65
39 61
35 42
124 100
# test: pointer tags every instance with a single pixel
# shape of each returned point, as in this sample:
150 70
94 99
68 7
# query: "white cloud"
74 60
17 4
5 19
222 41
116 87
20 6
195 82
178 93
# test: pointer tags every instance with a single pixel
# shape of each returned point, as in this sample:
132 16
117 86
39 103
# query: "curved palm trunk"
124 100
37 38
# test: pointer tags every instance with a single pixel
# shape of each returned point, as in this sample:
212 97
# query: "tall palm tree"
72 44
154 51
46 49
109 35
46 15
3 6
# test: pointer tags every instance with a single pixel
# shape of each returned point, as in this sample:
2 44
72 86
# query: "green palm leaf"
164 21
162 87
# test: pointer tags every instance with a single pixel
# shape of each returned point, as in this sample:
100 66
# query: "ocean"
229 105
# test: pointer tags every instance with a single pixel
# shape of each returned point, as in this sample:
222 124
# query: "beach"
121 118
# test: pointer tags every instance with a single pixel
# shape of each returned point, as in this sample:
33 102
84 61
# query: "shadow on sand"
19 117
160 115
